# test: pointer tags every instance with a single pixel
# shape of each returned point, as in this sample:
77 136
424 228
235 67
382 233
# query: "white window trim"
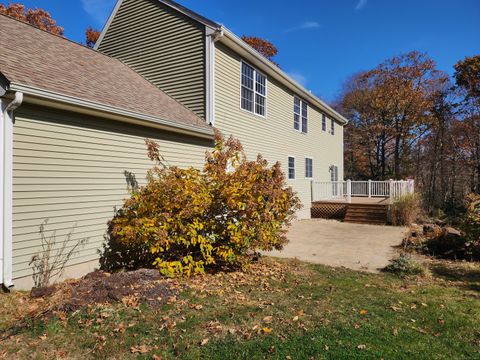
326 119
254 90
332 169
294 168
311 158
332 126
300 130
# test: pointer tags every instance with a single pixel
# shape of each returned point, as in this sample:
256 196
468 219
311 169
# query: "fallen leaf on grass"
395 332
120 328
141 349
266 330
361 347
204 342
268 319
363 312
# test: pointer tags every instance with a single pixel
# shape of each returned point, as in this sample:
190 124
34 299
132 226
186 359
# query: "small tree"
91 36
264 47
219 216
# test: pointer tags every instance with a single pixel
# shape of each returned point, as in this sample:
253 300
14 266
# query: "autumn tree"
391 108
467 76
91 36
36 17
467 79
264 47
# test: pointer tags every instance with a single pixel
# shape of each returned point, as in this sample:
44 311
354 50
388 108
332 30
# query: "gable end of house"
163 45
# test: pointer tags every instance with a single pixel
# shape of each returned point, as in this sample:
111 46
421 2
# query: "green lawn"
279 310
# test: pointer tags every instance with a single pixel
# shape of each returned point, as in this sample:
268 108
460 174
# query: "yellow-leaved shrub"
187 220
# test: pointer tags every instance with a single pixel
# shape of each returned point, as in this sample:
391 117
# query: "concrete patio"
354 246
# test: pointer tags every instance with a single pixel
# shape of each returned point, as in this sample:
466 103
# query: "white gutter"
56 100
241 47
6 185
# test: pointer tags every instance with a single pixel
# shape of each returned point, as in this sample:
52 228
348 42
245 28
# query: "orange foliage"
91 36
36 17
264 47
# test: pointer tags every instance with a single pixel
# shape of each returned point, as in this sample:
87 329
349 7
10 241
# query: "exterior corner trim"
108 23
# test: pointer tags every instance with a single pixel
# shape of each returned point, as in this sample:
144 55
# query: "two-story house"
212 71
73 122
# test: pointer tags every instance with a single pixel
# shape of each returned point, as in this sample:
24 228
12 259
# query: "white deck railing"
345 190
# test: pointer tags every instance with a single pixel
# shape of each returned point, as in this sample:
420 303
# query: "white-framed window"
324 122
332 127
308 168
254 90
300 115
334 179
334 173
291 168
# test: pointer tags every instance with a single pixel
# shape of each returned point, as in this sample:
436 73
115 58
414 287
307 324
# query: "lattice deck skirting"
325 210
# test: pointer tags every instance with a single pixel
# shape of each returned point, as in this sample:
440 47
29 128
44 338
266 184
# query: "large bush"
191 219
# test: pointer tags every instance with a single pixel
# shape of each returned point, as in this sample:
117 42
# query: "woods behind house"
409 119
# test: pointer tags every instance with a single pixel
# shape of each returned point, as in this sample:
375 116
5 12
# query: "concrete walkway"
354 246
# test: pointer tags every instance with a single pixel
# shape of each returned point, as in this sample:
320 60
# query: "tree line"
408 119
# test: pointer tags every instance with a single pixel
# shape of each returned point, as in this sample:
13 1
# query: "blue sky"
321 43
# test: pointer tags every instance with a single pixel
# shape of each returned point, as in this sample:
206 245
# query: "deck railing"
345 190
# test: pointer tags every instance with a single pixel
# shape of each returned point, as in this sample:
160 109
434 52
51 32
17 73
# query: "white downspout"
6 185
211 36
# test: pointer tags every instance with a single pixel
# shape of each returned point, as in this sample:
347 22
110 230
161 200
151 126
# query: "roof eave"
56 100
240 46
4 84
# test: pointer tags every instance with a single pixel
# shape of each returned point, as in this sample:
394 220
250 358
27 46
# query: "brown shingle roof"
33 57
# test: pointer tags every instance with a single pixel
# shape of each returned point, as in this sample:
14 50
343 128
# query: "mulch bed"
99 287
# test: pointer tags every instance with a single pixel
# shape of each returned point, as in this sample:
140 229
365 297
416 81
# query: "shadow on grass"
467 277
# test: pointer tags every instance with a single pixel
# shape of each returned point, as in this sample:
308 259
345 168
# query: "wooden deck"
361 210
358 200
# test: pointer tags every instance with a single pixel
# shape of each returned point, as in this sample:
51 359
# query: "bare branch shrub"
51 261
405 210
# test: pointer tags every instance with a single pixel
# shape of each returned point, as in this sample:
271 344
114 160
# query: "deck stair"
366 214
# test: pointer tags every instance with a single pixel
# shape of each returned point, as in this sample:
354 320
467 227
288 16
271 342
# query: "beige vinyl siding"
162 45
273 136
70 169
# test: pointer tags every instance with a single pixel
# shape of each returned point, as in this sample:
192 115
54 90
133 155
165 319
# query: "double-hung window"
332 127
324 122
291 168
300 115
308 168
254 90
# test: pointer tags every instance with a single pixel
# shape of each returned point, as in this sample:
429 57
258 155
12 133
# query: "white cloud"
298 77
361 4
307 25
99 10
